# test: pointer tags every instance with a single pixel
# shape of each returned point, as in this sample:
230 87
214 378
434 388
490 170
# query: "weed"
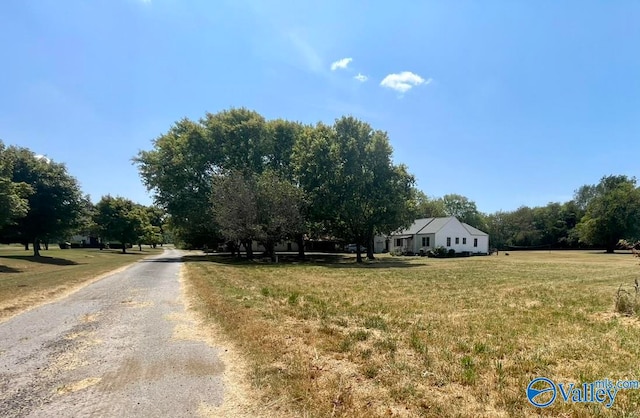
375 322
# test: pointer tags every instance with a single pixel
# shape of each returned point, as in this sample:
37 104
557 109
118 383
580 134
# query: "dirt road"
109 350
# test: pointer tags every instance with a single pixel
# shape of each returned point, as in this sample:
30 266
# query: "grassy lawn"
26 281
426 337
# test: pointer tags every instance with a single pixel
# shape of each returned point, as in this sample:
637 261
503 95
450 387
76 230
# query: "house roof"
473 231
433 225
416 226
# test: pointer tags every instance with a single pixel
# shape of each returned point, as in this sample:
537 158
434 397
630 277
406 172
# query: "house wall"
379 243
418 243
407 244
454 229
279 247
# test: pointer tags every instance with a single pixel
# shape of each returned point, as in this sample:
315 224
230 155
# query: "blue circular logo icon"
542 386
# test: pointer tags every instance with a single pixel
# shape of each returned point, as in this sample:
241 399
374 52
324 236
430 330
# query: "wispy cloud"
361 78
342 64
404 81
310 56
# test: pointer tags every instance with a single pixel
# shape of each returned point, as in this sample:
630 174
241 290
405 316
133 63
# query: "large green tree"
13 196
55 204
347 171
612 213
178 171
181 167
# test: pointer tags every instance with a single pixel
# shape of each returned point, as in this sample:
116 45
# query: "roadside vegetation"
26 281
425 337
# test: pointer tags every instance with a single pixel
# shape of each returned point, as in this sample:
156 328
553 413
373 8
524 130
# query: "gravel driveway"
110 350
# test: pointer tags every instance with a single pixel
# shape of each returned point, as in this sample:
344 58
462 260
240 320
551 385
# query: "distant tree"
427 207
122 220
55 204
463 209
612 214
158 220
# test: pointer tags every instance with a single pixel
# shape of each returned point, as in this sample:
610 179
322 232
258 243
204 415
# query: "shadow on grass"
324 260
6 269
42 260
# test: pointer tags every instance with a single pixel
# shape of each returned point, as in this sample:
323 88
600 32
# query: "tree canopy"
54 202
612 213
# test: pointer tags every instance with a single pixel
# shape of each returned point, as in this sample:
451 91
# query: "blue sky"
509 103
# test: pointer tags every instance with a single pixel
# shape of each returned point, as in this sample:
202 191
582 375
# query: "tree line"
598 216
238 178
40 202
234 177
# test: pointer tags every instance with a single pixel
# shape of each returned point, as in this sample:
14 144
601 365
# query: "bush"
627 302
439 252
451 253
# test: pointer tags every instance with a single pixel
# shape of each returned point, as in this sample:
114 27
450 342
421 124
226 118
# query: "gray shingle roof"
433 225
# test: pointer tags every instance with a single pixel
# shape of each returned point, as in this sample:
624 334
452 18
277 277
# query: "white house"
429 233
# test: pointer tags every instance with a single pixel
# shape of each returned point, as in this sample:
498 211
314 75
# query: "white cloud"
42 157
342 64
404 81
361 78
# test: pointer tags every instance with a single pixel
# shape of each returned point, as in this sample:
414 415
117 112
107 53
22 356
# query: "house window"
457 240
399 242
425 241
464 240
475 242
448 241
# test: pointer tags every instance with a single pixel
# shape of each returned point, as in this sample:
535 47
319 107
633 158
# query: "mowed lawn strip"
408 336
26 281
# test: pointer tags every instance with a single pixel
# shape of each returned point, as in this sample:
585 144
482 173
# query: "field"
26 281
410 336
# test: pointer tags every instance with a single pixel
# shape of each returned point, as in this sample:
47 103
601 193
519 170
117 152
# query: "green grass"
26 281
427 337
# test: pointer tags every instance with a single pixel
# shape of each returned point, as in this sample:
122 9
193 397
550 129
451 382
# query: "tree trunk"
300 241
611 246
358 254
26 246
248 249
46 245
140 246
124 247
36 247
269 249
370 248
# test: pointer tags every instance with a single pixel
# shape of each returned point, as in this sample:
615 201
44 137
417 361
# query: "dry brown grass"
425 337
27 281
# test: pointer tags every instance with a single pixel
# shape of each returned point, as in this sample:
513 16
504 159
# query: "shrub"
627 302
439 251
451 253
